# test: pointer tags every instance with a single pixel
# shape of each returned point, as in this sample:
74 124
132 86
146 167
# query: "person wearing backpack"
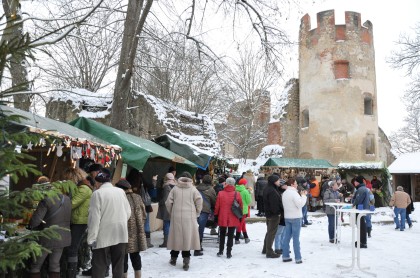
209 201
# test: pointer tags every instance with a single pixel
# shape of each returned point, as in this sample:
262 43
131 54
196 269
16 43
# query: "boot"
148 240
229 253
186 265
213 232
247 240
53 274
137 274
165 242
369 230
238 235
198 253
35 275
71 270
173 261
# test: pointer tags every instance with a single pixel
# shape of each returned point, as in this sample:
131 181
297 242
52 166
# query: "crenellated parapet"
327 30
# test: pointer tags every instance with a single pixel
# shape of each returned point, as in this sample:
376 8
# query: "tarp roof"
190 152
408 163
38 124
136 150
298 163
362 165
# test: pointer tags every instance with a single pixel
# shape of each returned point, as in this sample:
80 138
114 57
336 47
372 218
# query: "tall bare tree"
249 113
259 13
408 58
13 34
86 56
407 138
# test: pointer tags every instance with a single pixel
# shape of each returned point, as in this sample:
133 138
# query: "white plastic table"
337 228
355 229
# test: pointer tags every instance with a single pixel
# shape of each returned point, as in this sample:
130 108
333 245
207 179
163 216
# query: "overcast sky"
389 19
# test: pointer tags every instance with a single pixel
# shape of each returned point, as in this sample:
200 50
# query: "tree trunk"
133 26
13 34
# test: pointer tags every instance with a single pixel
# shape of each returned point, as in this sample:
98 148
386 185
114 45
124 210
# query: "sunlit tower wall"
337 85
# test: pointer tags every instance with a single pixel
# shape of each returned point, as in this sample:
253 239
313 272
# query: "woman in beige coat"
136 234
184 204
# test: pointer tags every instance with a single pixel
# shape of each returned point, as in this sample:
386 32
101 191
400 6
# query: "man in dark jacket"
52 211
259 193
361 197
272 205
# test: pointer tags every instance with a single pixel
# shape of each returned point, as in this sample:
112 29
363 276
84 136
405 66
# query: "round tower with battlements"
337 86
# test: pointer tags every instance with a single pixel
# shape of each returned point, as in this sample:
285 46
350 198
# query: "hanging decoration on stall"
78 150
59 152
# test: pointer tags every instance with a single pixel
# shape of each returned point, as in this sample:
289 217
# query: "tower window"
370 144
341 69
368 104
305 118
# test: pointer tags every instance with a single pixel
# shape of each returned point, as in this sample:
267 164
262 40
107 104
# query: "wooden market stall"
292 167
59 146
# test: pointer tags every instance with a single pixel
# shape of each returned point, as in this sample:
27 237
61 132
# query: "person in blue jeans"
292 204
278 239
331 195
209 201
401 201
168 183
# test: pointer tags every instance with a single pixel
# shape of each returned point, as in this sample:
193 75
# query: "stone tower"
337 86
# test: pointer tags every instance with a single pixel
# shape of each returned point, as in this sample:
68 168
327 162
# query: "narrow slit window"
305 118
370 144
368 104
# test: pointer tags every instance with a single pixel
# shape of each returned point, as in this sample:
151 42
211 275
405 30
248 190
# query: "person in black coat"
272 209
52 211
260 185
409 209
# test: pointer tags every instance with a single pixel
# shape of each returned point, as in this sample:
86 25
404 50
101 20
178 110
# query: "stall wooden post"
118 171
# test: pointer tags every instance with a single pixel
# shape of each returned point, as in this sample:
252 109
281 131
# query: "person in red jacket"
225 217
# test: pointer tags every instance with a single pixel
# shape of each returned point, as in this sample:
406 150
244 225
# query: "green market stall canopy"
192 153
298 163
136 150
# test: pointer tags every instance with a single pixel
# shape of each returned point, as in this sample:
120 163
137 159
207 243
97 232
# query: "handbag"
236 208
211 214
146 197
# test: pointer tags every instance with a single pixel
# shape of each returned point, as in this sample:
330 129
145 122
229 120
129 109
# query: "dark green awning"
298 163
136 150
200 159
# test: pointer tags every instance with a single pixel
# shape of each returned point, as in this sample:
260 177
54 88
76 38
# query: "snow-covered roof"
186 126
405 164
361 165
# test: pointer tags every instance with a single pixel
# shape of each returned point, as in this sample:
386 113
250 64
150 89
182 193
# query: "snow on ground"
390 253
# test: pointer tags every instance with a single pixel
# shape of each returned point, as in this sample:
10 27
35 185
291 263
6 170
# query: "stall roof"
408 163
38 124
361 165
190 152
136 150
298 163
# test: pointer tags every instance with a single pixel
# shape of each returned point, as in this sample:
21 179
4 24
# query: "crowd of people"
116 217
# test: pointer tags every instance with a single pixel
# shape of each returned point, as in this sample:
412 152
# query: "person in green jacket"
246 201
79 215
